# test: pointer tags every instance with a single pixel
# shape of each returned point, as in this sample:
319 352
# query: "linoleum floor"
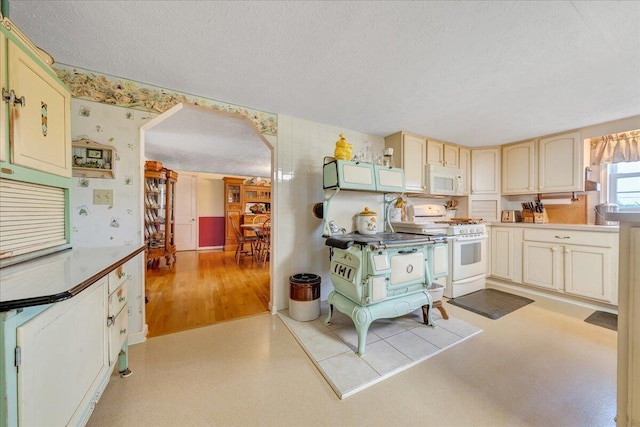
541 365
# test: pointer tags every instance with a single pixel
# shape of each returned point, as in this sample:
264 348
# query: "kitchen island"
64 323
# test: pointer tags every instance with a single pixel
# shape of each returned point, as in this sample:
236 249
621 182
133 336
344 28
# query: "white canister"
367 222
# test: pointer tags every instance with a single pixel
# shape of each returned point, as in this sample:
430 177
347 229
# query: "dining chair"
264 242
242 240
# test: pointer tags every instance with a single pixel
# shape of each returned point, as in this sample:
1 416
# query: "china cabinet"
159 221
233 209
93 160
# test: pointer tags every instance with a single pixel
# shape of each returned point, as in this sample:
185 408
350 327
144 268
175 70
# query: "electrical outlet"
103 197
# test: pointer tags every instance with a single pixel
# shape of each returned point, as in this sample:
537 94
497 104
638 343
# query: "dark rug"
490 303
604 319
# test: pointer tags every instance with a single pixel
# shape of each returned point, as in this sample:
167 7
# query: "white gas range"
467 246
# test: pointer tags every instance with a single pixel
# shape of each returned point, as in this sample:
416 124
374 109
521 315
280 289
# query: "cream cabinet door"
40 129
435 153
413 162
502 253
589 272
451 156
3 105
485 171
561 163
519 168
465 165
64 355
542 265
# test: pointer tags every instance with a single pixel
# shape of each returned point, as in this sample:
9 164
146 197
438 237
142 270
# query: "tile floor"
393 345
541 365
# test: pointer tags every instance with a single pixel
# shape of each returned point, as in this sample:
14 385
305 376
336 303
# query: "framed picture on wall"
94 154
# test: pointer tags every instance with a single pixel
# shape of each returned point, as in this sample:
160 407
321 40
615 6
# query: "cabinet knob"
562 237
11 98
111 320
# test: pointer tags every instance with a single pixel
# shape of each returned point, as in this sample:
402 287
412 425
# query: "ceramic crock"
367 222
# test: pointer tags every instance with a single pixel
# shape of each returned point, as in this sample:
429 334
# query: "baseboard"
593 305
204 248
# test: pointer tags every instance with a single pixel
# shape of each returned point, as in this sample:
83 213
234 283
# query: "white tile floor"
392 346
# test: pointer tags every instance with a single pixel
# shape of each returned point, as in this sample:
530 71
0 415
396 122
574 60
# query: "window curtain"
617 148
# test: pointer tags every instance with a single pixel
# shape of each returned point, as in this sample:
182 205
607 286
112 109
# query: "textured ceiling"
208 141
473 73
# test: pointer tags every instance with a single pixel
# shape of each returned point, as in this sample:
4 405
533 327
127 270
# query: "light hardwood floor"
203 288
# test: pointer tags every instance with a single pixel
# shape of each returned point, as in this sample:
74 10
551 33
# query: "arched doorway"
206 141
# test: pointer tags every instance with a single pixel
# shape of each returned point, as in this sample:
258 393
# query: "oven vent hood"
348 175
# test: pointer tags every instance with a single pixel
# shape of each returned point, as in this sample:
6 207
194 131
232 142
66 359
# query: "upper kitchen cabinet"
485 170
3 105
553 164
465 165
561 163
519 175
410 152
38 107
439 153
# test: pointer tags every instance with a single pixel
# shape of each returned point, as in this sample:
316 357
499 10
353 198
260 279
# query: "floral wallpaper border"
129 94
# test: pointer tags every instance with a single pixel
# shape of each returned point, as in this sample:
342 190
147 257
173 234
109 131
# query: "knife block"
535 217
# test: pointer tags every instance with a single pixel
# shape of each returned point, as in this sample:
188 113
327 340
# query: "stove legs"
363 316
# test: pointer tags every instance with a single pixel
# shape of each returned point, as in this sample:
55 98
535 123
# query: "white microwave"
441 181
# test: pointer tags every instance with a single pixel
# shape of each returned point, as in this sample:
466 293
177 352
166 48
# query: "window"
624 185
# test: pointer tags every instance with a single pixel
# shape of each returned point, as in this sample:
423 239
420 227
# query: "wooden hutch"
159 220
243 202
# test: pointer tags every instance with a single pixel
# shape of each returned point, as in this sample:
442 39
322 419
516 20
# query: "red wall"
211 231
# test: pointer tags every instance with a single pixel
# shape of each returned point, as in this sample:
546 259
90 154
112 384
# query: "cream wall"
300 248
210 196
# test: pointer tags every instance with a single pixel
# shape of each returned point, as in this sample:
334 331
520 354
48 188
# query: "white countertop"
578 227
60 275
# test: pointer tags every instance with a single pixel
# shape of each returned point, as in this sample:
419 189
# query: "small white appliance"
442 181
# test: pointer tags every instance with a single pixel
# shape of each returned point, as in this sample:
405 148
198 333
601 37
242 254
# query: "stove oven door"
408 271
468 258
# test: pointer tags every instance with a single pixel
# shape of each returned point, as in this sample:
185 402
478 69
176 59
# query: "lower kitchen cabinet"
506 253
63 356
578 263
56 358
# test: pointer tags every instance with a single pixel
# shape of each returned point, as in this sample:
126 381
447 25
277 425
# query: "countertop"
624 216
59 276
577 227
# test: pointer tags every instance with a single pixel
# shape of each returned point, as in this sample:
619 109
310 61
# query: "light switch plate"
103 197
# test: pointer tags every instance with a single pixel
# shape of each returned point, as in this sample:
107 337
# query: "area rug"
604 319
490 303
393 345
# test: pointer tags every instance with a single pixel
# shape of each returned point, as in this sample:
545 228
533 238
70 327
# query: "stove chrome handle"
412 251
383 246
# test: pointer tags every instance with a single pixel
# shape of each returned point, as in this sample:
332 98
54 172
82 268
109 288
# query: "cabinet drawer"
117 335
117 300
568 237
119 275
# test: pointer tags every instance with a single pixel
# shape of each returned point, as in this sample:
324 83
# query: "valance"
617 148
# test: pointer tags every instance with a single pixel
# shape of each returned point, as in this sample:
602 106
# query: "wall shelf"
93 160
